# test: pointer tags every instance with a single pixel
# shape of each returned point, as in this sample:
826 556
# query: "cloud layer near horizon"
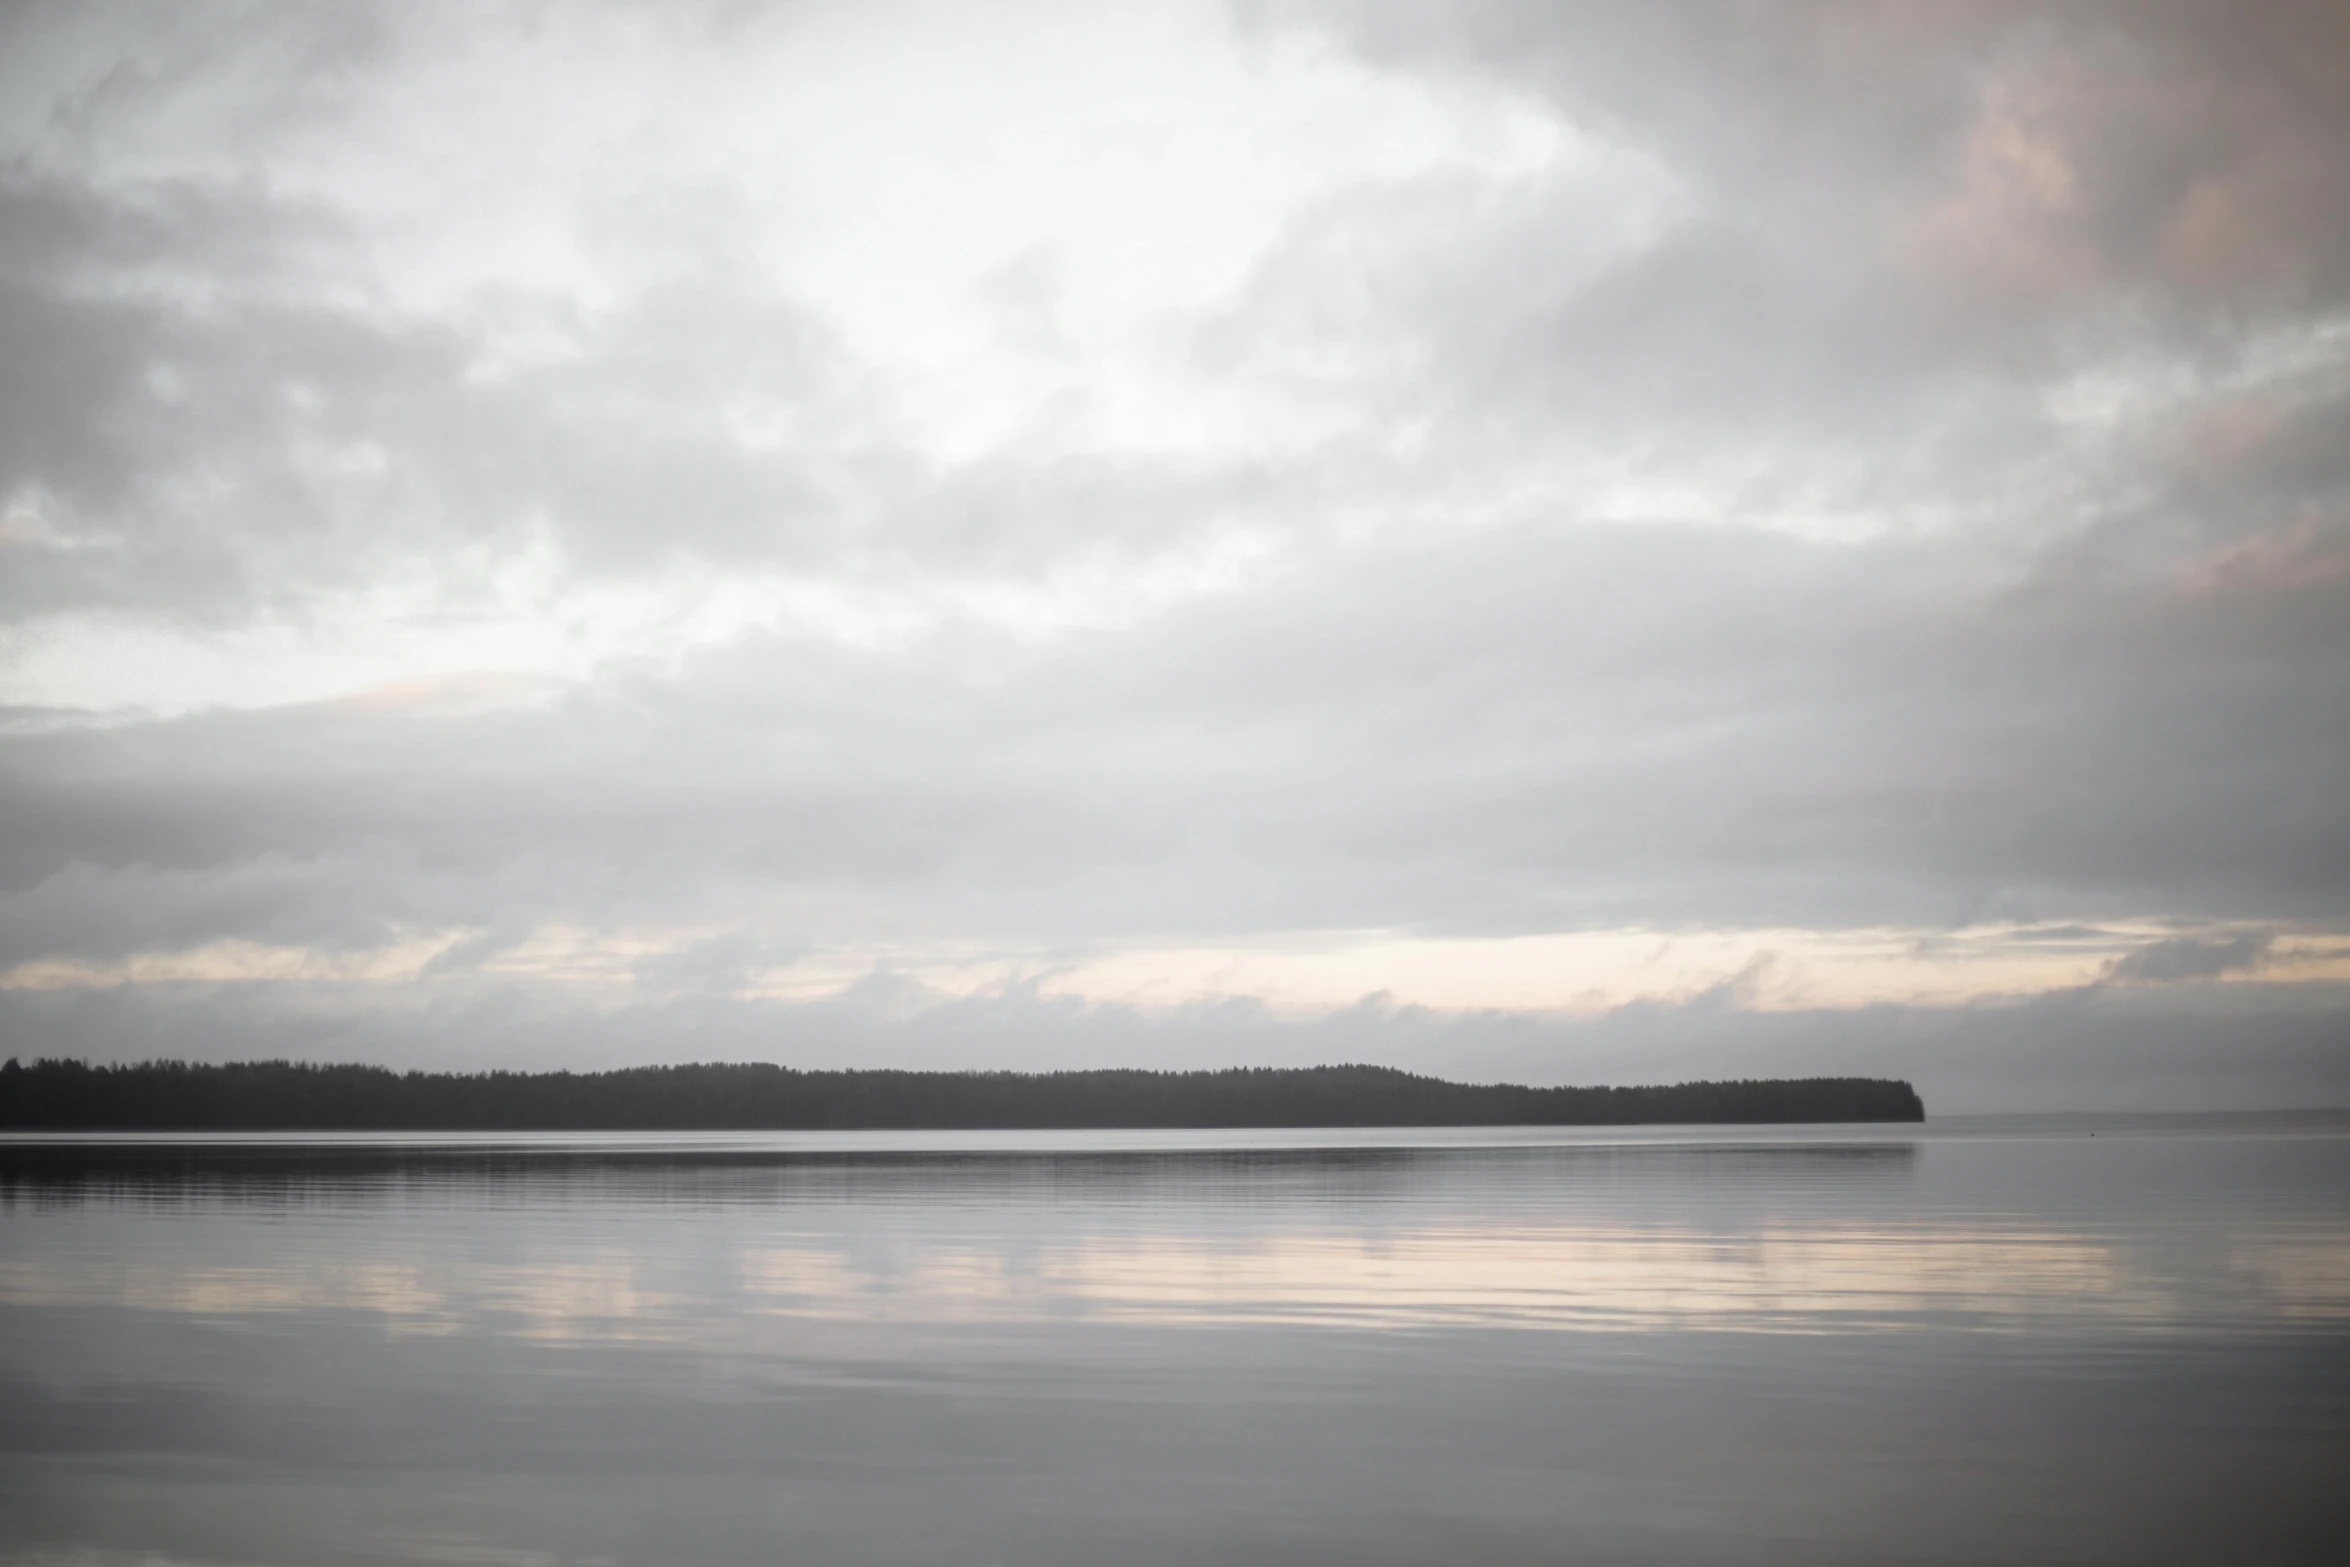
887 533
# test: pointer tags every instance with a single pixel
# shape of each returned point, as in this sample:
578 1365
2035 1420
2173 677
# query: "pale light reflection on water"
1213 1347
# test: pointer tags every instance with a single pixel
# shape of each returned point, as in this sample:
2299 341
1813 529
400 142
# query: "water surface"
2038 1341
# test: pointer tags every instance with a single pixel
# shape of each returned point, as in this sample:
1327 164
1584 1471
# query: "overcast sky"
1525 539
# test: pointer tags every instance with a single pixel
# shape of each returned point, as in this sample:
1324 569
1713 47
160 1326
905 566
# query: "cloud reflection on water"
705 1250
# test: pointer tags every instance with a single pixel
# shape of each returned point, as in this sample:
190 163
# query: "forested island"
67 1095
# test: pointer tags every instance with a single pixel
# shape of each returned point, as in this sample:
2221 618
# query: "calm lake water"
2027 1341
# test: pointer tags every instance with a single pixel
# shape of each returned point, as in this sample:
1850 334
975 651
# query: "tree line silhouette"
68 1095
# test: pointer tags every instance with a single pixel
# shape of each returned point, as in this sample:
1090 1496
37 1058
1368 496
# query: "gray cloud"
1623 725
2188 957
1887 471
1897 234
2173 147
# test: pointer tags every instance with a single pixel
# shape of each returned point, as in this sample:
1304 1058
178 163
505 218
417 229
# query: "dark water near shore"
1967 1342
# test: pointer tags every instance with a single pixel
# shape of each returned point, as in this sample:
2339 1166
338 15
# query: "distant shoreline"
65 1095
